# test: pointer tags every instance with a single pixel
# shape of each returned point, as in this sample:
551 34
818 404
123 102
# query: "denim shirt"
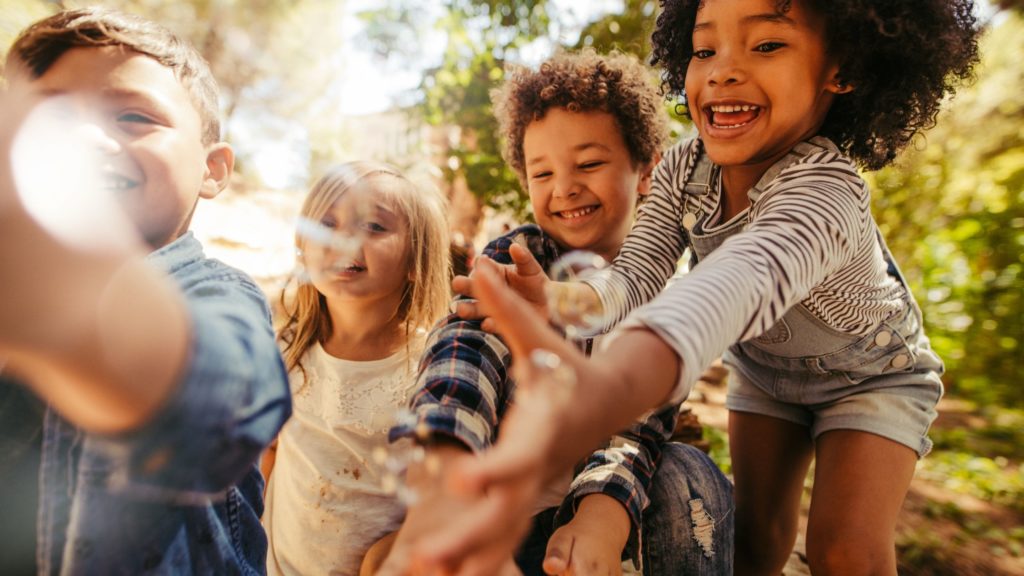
182 494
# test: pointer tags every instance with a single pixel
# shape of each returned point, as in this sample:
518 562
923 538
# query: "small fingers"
522 327
558 557
478 540
462 285
467 309
526 264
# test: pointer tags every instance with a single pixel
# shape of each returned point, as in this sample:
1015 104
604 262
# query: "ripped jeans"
687 529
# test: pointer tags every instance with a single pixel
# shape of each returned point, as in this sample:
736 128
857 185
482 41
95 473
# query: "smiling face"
142 121
759 81
583 184
376 272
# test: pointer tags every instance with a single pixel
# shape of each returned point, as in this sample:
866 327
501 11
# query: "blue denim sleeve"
232 399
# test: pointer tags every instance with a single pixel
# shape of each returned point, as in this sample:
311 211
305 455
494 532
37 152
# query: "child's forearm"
601 510
634 374
99 335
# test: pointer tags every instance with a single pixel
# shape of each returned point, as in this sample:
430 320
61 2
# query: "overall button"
900 360
689 220
883 338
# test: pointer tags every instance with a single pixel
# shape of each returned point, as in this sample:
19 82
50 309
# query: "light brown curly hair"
584 81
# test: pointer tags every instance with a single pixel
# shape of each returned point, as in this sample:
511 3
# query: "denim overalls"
802 370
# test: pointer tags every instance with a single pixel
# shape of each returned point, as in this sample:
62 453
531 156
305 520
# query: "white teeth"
725 108
577 213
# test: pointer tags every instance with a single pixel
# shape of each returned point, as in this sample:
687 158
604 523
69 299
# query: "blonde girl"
374 251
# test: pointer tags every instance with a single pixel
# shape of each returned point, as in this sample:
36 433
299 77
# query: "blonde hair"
307 320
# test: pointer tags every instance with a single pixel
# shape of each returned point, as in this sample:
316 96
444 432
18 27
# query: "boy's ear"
647 174
838 86
220 164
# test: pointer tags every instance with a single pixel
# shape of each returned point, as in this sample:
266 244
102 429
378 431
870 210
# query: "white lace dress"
325 500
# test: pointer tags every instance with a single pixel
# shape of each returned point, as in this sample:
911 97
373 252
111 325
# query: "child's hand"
438 509
512 472
525 276
552 424
592 543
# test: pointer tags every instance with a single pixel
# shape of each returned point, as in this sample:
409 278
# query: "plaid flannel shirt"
464 388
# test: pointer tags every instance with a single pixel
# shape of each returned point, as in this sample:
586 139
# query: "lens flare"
58 171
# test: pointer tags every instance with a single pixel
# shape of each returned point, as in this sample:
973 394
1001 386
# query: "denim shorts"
886 382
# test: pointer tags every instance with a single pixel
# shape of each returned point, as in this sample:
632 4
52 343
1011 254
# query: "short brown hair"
582 81
40 45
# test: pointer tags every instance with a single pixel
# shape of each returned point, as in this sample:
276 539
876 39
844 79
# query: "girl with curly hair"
790 277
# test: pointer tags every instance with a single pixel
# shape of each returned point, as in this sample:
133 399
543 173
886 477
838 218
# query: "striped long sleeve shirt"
809 238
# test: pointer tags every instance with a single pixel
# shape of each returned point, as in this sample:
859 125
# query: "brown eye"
766 47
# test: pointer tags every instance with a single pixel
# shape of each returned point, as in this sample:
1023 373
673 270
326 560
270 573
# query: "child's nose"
726 71
566 186
93 135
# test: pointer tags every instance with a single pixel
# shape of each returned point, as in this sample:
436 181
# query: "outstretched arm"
435 508
548 430
592 542
99 335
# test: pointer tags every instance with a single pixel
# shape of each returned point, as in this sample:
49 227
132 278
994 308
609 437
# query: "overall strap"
699 182
799 152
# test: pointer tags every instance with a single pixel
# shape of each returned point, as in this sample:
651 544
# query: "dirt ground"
928 543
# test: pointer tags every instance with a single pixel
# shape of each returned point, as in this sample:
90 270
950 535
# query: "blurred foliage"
952 208
995 432
629 31
268 56
719 452
995 480
481 36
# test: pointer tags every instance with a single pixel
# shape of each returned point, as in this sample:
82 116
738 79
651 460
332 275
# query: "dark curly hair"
902 57
616 83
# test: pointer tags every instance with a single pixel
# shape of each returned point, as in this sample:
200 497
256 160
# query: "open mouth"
576 213
732 116
351 268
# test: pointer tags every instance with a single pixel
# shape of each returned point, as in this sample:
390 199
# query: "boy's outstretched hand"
525 275
436 509
529 451
592 542
551 424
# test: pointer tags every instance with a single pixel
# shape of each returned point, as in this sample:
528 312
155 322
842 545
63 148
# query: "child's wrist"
601 510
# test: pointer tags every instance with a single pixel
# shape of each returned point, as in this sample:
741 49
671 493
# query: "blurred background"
307 83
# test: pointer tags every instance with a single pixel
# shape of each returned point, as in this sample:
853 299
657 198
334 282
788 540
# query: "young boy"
583 133
162 379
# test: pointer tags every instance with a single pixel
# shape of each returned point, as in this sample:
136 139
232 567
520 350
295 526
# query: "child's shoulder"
816 167
822 157
203 278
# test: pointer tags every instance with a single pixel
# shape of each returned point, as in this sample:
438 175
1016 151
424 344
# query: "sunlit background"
307 83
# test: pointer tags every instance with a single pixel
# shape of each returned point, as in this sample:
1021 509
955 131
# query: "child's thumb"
526 264
559 553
